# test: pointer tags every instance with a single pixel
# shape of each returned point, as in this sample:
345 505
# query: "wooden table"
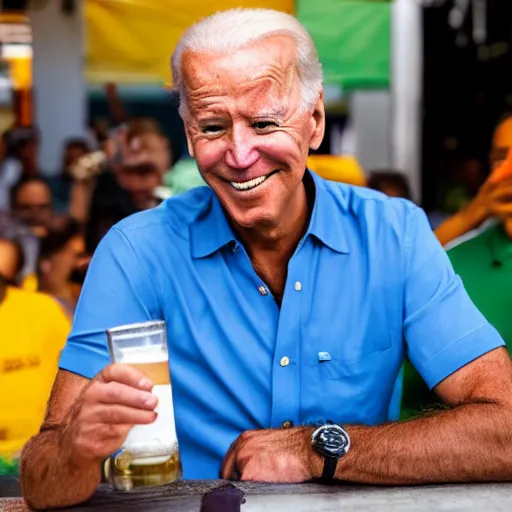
186 496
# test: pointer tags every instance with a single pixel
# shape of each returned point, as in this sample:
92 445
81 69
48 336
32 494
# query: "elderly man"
289 300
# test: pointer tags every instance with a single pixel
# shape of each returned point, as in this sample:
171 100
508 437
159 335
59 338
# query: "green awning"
353 39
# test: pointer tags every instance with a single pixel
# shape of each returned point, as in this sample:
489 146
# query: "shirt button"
262 290
284 361
298 286
287 424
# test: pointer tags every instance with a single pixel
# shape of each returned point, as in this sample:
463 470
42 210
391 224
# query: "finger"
121 414
502 210
502 182
502 191
120 394
229 471
101 444
125 374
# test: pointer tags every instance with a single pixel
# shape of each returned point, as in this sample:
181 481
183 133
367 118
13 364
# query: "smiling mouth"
251 184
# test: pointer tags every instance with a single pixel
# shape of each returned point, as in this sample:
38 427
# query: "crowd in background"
50 227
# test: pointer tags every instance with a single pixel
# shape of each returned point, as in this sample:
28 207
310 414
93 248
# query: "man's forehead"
270 59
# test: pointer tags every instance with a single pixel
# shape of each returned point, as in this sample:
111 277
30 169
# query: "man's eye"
212 128
262 125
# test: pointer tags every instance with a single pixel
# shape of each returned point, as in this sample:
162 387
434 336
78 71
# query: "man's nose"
241 153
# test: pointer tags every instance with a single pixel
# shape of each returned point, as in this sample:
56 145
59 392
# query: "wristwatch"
332 443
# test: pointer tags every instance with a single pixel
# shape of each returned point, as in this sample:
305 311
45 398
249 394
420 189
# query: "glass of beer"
150 454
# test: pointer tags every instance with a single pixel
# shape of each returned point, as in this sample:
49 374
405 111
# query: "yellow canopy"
132 40
343 168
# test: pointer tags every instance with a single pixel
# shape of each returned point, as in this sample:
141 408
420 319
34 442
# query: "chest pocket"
354 390
339 366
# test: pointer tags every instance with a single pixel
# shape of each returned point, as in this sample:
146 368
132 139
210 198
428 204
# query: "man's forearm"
49 478
468 443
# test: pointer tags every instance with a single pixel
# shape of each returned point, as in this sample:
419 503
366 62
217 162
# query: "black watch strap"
330 464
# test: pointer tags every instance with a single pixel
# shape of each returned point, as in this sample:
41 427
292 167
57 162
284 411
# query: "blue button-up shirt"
367 282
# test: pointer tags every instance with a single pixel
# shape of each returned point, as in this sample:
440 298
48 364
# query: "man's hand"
99 421
276 455
493 200
496 198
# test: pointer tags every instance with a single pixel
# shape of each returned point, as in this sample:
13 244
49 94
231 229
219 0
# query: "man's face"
246 129
153 149
501 143
33 206
498 156
68 260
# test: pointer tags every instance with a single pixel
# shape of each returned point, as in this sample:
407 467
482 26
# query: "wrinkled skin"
244 121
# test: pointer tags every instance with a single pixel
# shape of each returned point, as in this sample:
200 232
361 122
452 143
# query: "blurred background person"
133 178
61 184
391 183
62 265
25 150
483 260
138 157
482 257
490 198
12 229
32 205
18 152
33 330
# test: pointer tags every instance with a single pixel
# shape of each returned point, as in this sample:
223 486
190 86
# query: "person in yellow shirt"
33 330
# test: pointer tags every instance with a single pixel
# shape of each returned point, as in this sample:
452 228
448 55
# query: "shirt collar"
328 220
211 230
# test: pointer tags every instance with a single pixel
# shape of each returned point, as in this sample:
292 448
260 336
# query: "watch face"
331 441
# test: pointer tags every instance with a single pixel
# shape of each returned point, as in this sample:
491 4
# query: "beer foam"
142 354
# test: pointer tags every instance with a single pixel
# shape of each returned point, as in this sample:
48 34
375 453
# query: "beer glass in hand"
150 453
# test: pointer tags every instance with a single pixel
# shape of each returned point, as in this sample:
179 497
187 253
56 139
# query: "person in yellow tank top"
33 330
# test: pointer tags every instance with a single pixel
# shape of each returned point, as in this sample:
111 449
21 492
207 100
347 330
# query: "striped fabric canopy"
130 41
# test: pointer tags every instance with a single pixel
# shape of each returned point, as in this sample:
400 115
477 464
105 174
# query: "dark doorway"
467 88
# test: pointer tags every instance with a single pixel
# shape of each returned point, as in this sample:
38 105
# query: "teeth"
247 185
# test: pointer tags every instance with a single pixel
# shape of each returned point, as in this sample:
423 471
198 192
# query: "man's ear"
317 123
189 142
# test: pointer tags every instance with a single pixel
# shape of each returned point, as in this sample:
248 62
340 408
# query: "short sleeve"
116 291
443 329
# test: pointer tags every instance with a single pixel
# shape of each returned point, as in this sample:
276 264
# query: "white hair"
234 29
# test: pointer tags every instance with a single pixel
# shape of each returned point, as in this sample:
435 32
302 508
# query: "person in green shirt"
484 263
480 251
